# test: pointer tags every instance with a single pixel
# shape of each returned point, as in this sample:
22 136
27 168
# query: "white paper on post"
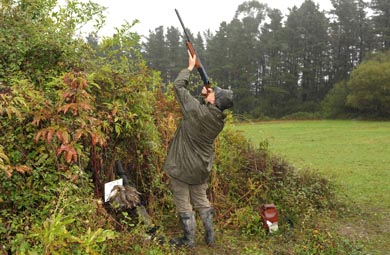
109 186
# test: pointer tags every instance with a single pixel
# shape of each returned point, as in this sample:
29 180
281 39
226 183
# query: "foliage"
352 36
334 104
65 122
276 66
259 177
381 18
43 196
369 87
364 94
266 175
37 37
346 151
269 66
57 235
67 117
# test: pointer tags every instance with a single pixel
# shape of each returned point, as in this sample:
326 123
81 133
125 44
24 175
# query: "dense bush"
261 178
364 95
334 104
64 124
369 87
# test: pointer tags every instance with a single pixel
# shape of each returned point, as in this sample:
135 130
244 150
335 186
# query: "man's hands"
206 91
191 61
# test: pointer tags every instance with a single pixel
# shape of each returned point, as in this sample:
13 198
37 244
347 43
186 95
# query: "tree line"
280 65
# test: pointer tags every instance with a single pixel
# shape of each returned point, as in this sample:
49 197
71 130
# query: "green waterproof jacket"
191 151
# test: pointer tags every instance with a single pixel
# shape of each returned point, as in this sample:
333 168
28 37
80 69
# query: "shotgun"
191 49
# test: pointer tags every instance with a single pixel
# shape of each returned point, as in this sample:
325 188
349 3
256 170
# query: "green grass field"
355 154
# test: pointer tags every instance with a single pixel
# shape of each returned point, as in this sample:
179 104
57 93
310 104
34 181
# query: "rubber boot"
187 220
207 218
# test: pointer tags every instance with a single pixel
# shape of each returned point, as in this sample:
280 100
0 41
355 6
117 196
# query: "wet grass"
355 154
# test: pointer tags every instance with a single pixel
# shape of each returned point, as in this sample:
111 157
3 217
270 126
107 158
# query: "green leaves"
55 237
37 37
91 239
53 233
370 88
68 110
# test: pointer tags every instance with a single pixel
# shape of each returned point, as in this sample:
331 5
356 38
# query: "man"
190 154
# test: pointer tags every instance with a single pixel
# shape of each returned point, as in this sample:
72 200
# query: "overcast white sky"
198 16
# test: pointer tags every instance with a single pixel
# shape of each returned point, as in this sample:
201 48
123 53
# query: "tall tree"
175 50
217 53
271 86
240 65
349 36
307 57
272 46
244 53
366 31
155 51
381 20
